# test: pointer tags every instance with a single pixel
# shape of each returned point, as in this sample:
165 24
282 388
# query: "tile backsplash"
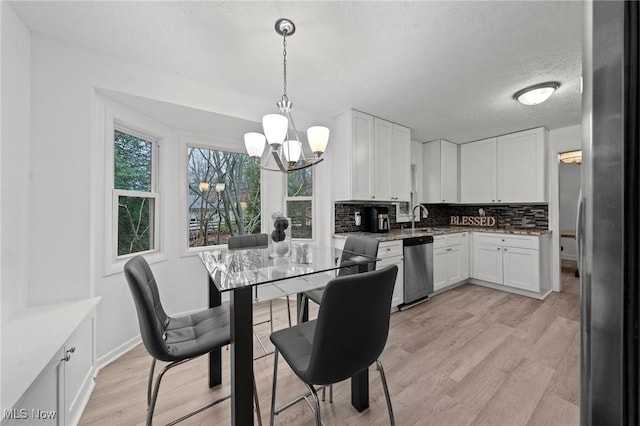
518 216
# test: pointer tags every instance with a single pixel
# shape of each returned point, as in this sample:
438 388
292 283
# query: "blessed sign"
487 221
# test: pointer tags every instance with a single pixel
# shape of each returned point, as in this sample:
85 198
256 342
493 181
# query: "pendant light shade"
275 128
318 137
292 151
254 144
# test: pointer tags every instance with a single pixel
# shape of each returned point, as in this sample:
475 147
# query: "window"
135 194
223 196
299 203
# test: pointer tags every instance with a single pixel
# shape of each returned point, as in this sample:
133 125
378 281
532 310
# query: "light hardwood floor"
471 355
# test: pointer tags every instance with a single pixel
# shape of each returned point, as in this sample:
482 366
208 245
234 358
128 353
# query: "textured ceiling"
445 69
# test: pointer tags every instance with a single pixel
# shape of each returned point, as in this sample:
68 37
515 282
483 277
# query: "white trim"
117 352
311 198
129 121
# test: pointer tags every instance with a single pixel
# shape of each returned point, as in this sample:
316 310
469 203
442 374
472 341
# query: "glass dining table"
243 271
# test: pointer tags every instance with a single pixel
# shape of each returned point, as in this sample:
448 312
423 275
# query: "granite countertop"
398 234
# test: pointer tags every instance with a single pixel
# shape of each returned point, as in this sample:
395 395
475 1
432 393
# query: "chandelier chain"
284 64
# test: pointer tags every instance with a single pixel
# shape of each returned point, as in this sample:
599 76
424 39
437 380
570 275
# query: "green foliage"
132 162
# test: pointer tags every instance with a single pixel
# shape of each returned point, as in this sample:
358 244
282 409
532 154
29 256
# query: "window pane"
132 162
300 183
216 213
301 218
135 224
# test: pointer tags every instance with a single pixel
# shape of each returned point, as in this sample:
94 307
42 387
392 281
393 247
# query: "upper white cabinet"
440 176
522 171
506 169
478 172
371 158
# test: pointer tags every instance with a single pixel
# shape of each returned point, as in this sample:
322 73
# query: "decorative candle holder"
280 236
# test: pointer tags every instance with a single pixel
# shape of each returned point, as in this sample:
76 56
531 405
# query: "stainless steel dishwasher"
418 269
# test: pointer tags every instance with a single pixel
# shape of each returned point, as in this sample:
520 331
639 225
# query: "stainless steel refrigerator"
608 232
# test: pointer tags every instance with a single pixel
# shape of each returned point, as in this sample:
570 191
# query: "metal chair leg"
331 393
273 389
289 310
150 381
304 301
386 391
316 402
256 401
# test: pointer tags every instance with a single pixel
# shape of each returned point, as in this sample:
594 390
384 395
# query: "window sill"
117 266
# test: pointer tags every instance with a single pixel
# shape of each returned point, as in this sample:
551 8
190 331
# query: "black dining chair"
348 336
258 241
175 340
354 244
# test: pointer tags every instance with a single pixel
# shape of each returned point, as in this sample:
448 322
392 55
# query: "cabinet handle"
498 248
505 249
499 201
373 196
72 349
66 358
443 201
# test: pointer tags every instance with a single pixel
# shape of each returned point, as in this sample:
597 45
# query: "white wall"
560 140
569 184
67 152
16 188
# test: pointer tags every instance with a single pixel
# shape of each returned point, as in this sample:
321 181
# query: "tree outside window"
299 203
224 196
134 193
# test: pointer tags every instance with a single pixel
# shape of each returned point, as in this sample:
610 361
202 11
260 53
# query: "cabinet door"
440 268
449 172
362 152
454 265
478 172
383 154
521 167
78 369
398 289
431 187
487 263
521 268
43 402
401 172
464 255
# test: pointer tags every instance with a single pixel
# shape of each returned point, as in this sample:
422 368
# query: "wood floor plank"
554 411
553 344
518 397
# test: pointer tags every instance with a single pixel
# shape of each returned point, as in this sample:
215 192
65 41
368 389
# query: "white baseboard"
117 352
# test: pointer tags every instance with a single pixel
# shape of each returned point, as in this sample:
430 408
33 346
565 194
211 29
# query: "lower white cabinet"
515 261
57 393
450 259
390 253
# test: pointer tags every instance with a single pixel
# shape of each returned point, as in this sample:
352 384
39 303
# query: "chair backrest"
352 325
152 318
361 245
249 240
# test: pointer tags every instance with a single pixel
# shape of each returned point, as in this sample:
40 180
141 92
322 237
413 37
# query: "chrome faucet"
423 211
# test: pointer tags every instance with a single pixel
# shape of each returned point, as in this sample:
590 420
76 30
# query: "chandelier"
280 131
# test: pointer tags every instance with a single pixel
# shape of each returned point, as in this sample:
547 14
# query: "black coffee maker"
376 218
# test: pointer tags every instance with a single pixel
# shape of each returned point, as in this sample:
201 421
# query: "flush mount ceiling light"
280 131
536 94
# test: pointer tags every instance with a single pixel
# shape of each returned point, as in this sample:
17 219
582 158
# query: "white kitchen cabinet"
391 253
514 261
371 159
401 164
478 182
507 169
48 376
522 167
440 176
450 259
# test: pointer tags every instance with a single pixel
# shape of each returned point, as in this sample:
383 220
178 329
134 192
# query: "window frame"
311 198
153 194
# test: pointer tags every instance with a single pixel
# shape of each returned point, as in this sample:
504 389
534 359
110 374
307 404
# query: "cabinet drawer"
521 241
390 248
482 238
439 241
455 239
